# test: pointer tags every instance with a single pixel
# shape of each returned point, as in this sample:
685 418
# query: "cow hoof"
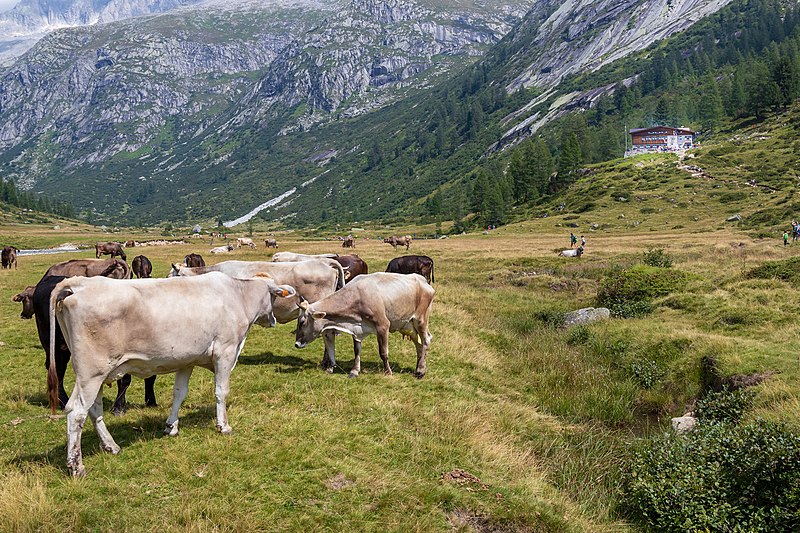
171 430
387 372
329 370
113 450
77 471
225 430
118 412
352 375
150 404
419 375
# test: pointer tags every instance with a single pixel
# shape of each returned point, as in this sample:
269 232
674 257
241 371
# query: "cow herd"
113 327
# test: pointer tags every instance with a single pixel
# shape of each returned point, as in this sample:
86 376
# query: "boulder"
683 424
586 315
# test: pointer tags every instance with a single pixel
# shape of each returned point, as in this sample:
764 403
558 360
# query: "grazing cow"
271 243
40 301
8 257
349 242
222 249
142 266
283 257
399 241
574 252
26 299
194 260
130 243
150 327
412 264
374 303
113 249
246 241
353 266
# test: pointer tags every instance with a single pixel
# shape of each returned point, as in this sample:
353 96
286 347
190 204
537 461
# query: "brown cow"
194 260
349 242
142 266
412 264
26 299
353 266
9 257
399 241
113 249
109 268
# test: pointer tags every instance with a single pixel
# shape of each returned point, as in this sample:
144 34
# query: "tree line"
10 194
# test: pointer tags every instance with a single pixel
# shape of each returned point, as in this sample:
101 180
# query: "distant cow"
413 264
353 266
150 327
222 249
283 257
349 242
9 257
375 303
194 260
141 266
245 241
271 243
113 249
26 299
399 241
130 243
574 252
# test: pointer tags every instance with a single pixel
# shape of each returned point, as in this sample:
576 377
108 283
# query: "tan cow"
109 268
373 303
152 326
245 241
399 241
283 257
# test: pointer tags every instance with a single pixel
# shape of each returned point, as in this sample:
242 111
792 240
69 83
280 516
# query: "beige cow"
151 326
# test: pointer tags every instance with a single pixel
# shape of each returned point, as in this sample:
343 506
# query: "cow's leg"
329 357
83 397
61 369
223 366
120 406
357 362
422 340
179 393
96 416
383 347
149 393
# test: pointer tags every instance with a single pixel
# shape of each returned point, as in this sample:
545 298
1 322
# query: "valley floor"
519 424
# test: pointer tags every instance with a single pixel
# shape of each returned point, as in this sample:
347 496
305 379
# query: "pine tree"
711 110
569 160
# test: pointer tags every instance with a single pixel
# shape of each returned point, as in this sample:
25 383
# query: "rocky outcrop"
585 316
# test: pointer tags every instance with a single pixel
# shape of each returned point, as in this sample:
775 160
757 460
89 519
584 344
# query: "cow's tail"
340 272
52 378
432 280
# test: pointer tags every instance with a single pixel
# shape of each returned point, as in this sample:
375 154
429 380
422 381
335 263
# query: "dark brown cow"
41 310
399 241
9 257
349 242
353 266
26 299
412 264
130 244
113 249
109 268
271 243
194 260
142 266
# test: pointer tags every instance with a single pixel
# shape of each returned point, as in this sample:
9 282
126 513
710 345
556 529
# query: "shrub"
629 292
785 270
724 406
646 373
657 257
719 477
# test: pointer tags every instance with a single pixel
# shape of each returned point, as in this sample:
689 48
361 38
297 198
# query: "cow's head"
26 298
309 324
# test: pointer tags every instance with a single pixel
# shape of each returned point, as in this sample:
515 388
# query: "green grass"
543 417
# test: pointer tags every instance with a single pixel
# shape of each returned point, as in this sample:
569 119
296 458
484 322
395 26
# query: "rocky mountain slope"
246 103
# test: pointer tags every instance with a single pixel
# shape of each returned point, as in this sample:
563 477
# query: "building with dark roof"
660 139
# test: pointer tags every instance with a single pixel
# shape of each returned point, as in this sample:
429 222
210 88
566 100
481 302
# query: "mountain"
357 110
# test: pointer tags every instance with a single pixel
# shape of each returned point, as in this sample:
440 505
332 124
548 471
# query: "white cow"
151 326
245 241
222 249
372 303
574 252
283 257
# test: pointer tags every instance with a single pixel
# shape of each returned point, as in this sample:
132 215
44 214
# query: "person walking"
583 241
573 240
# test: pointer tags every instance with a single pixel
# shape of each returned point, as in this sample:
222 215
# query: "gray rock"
586 315
683 424
734 218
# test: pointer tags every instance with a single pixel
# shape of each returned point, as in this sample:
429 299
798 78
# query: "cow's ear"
282 291
17 298
318 315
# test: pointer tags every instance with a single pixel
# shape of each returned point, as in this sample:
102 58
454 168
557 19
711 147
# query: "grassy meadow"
518 425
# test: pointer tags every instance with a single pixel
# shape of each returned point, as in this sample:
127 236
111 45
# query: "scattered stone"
338 482
2 343
683 424
586 315
593 226
734 218
622 199
573 225
461 478
16 422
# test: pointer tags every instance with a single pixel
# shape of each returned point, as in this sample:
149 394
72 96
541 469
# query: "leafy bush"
724 406
629 292
785 270
646 373
719 477
657 257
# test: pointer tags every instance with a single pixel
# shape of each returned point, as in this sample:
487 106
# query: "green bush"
646 373
657 257
629 292
785 270
724 406
719 477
